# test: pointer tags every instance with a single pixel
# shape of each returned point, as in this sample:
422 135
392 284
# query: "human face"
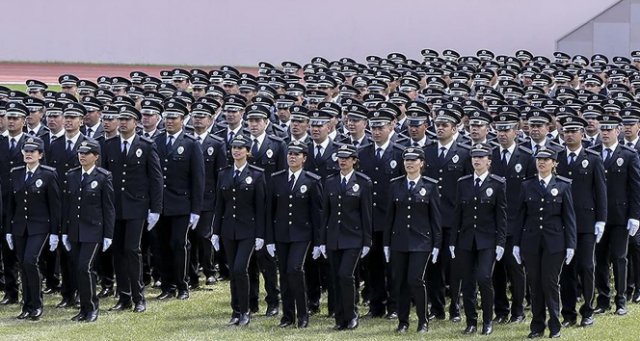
91 118
346 164
319 133
70 89
87 160
593 127
239 155
15 125
31 158
150 121
174 124
479 132
284 115
299 128
201 123
296 160
631 131
198 92
380 135
233 117
34 118
54 123
127 126
545 166
445 131
181 84
413 167
110 126
538 131
480 164
609 136
72 123
506 137
3 123
573 138
257 126
231 89
356 126
417 132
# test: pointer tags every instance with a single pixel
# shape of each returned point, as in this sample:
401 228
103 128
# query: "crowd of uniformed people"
392 184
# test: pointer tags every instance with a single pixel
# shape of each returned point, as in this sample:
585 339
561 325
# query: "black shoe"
373 314
455 319
391 315
165 295
23 315
64 304
79 317
470 330
105 292
314 309
621 311
586 322
487 328
91 316
254 310
600 310
183 295
422 328
244 320
285 324
554 335
353 324
516 319
534 335
35 315
500 319
233 321
402 328
272 311
140 307
436 317
211 280
303 322
569 323
9 300
120 306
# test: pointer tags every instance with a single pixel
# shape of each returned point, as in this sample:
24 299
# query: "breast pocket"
556 205
454 167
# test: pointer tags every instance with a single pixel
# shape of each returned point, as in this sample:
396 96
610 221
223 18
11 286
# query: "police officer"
539 122
478 235
446 161
33 218
547 237
380 161
412 235
293 224
514 162
183 174
239 220
347 203
584 167
215 158
622 171
10 157
133 161
87 227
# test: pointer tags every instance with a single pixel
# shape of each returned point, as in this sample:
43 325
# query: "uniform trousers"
174 246
343 266
28 250
439 276
409 270
543 277
291 259
612 249
83 257
127 256
379 278
577 279
476 267
201 253
507 270
238 253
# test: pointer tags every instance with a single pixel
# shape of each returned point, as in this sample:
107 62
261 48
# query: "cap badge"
554 192
619 161
489 192
303 189
355 188
94 184
39 183
138 152
180 150
248 180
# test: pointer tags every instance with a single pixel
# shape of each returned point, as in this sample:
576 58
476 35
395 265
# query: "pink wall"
214 32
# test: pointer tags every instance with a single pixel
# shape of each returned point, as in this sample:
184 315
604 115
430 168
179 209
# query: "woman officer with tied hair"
33 213
412 235
546 239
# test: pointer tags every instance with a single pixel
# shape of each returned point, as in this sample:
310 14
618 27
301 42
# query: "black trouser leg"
49 268
84 256
477 268
174 245
292 278
105 269
28 250
378 277
312 275
269 269
128 256
343 265
145 246
543 276
67 270
10 264
238 253
409 270
611 250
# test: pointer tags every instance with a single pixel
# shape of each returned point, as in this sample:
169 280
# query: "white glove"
387 254
632 226
259 243
434 255
499 253
106 242
215 241
365 251
9 238
599 231
53 242
323 250
516 254
152 220
452 251
193 220
271 250
316 252
569 257
66 242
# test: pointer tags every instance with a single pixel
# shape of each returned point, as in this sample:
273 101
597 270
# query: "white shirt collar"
202 136
33 171
129 140
333 134
296 174
36 129
175 136
481 177
5 133
635 141
95 127
89 171
324 144
546 180
17 137
577 151
150 133
347 177
58 134
241 168
421 142
415 181
260 138
302 139
73 139
384 146
613 147
447 146
511 149
235 131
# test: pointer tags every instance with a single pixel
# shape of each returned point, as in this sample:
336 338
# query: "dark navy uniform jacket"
215 158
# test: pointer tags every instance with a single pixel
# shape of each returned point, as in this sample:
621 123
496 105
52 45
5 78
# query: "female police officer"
547 237
33 213
480 225
240 220
412 234
347 204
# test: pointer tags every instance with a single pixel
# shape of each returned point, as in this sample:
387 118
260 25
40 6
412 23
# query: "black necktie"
543 184
443 152
124 149
355 143
29 175
535 149
12 145
147 135
477 186
170 141
236 176
230 137
318 151
292 180
412 185
90 132
69 147
572 158
31 132
608 156
416 144
379 153
254 147
343 185
84 176
630 144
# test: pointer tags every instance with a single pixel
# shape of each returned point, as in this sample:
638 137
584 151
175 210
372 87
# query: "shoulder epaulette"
628 148
110 138
313 175
278 172
103 171
275 138
332 175
49 168
362 175
398 178
562 178
73 169
146 139
217 138
464 145
432 180
17 168
591 151
189 136
497 178
525 149
256 168
465 177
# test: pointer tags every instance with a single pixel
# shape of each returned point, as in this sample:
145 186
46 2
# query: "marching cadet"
380 161
539 122
622 172
183 174
10 157
417 124
134 164
514 163
33 218
34 126
478 235
215 158
239 219
547 237
299 126
87 226
63 156
410 242
346 235
294 214
151 118
446 161
92 127
584 167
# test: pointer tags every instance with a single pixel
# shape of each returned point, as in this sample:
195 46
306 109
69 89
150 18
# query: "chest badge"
489 192
393 164
94 184
303 189
210 151
180 150
455 158
248 180
423 192
554 192
585 163
518 168
139 152
355 187
619 162
269 153
39 183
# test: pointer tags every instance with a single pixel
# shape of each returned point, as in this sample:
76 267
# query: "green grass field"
204 315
